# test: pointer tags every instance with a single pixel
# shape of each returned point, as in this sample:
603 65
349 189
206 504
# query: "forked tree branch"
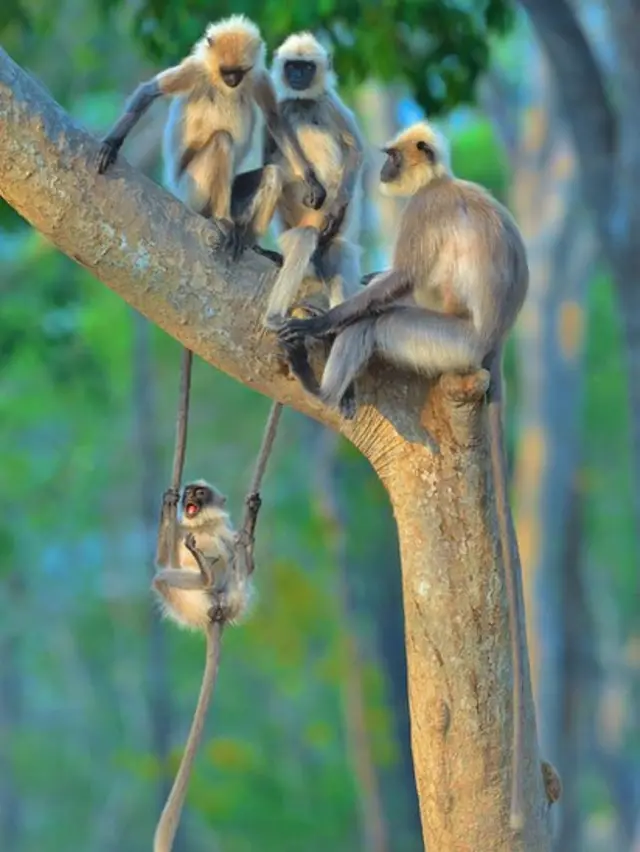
428 445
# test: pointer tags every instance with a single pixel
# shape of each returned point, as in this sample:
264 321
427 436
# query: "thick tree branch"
138 240
427 444
583 95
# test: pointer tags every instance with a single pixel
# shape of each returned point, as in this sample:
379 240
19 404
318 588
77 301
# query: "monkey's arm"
173 81
167 546
353 148
281 131
373 299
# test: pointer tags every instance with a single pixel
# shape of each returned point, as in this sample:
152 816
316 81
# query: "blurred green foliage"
438 48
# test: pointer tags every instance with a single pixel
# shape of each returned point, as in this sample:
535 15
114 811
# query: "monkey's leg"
349 355
340 264
178 578
205 563
262 206
221 155
298 246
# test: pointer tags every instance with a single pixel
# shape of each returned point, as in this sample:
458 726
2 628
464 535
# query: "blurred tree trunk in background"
373 827
599 102
561 253
562 250
152 481
11 694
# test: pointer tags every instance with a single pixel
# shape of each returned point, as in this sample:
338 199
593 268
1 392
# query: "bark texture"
428 445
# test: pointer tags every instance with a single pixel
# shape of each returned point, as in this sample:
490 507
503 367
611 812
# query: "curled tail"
298 246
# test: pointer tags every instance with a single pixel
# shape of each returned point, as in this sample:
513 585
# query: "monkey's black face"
195 498
392 166
232 77
299 73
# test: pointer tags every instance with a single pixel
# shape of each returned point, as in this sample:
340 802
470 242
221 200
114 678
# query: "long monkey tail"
169 819
513 579
298 246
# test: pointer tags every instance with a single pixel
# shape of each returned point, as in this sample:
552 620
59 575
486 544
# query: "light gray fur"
298 246
329 135
466 263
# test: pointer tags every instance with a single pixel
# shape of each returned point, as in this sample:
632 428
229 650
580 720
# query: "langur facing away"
456 286
330 138
211 124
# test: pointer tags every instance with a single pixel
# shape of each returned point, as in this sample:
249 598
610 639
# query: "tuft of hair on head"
235 40
425 157
304 45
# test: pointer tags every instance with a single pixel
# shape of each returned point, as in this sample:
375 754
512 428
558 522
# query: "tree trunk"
459 664
167 262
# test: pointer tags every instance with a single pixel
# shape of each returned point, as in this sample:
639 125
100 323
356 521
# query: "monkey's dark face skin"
299 73
392 165
232 77
196 498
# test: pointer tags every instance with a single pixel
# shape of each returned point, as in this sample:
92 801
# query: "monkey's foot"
235 239
294 330
107 155
170 497
221 610
348 405
317 194
254 502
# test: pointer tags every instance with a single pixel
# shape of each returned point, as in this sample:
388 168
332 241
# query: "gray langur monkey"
330 138
456 286
210 128
203 582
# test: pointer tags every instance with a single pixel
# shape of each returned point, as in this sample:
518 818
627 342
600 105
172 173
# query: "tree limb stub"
428 444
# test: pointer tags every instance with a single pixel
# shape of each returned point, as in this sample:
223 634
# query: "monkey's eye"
428 150
200 493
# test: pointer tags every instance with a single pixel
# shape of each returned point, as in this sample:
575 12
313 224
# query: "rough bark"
164 261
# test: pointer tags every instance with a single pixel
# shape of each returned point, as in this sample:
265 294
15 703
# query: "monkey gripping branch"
428 444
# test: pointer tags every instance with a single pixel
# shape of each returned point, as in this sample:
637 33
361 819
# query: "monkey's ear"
428 150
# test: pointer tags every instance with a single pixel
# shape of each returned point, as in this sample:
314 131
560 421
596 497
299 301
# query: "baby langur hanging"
204 576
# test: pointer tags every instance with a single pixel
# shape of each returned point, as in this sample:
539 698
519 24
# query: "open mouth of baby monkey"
191 510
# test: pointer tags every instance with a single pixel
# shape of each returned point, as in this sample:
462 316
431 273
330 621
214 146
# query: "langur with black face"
210 128
203 582
458 281
330 138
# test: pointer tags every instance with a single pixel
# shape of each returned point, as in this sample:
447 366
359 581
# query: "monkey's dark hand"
254 502
294 330
316 194
235 239
170 497
108 153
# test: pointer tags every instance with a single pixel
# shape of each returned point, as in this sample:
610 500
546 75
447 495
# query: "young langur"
330 138
210 127
458 281
203 579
